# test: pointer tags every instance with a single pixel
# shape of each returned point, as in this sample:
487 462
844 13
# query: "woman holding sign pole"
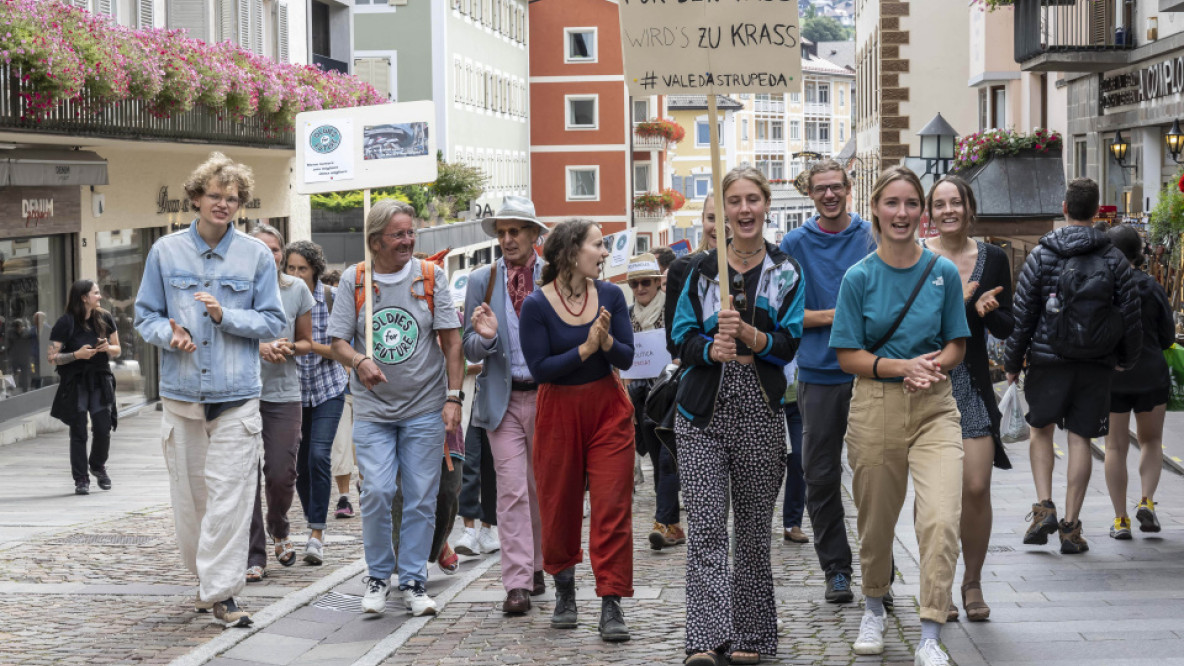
730 429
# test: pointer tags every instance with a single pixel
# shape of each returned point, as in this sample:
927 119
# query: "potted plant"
666 129
974 149
659 203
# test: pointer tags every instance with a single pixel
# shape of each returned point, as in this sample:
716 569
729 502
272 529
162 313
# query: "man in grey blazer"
505 401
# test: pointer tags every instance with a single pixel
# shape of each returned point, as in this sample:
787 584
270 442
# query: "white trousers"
212 467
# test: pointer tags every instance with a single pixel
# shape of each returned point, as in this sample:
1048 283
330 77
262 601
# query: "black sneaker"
838 589
100 473
230 615
82 487
1044 523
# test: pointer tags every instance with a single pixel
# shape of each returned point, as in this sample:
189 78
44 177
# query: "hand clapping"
923 372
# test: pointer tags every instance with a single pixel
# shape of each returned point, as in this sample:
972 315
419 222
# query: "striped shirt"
320 378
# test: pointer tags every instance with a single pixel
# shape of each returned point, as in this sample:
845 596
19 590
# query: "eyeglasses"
216 199
739 297
401 235
644 283
512 232
820 190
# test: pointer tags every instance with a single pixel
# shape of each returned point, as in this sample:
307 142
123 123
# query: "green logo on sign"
621 240
325 139
396 335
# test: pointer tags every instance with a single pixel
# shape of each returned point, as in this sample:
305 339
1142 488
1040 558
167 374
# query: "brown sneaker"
658 537
796 535
231 615
674 535
1072 542
1044 523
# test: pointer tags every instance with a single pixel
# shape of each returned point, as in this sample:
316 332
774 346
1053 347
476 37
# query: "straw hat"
513 208
643 266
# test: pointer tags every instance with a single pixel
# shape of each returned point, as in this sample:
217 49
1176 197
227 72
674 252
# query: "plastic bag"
1174 355
1013 427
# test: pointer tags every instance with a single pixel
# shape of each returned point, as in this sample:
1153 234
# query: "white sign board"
459 284
650 357
621 248
687 48
366 147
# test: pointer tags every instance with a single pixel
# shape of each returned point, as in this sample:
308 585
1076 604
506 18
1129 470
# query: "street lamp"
1119 148
1175 141
938 140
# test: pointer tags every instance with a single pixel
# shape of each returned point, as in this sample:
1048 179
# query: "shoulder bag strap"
908 304
492 281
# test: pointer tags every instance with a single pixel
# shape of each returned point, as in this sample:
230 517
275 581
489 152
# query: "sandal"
711 658
255 574
976 611
745 657
952 614
285 552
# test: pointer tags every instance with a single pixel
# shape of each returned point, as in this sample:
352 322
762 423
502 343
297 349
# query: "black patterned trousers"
743 448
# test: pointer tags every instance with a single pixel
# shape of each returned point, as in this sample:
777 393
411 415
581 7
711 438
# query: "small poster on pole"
620 248
331 155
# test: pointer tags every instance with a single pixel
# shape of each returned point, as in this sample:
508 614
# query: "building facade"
691 159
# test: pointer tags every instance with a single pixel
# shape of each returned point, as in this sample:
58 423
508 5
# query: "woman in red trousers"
575 329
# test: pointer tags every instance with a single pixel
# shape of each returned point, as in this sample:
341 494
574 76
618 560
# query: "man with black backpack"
1077 320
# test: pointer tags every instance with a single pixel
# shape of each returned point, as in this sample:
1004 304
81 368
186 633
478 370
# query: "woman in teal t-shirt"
904 419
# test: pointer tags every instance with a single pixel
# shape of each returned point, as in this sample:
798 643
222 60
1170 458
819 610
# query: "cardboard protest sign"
689 48
650 357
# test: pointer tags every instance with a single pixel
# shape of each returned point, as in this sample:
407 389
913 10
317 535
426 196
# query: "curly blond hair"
223 170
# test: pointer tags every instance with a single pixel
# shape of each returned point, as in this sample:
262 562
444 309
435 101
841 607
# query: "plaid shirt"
320 378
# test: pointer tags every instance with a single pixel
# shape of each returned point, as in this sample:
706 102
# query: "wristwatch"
456 393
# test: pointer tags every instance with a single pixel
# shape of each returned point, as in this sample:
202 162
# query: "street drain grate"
1000 549
105 540
336 601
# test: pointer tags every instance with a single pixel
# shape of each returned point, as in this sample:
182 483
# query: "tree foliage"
824 29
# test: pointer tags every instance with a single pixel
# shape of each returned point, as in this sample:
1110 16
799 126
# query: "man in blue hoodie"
825 247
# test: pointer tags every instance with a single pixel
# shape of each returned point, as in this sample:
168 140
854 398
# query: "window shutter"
227 21
81 4
257 26
281 32
189 16
104 7
376 72
146 16
244 23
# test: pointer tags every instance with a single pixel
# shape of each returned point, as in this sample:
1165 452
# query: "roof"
823 66
840 53
688 102
848 151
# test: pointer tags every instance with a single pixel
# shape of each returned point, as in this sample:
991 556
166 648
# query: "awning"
51 168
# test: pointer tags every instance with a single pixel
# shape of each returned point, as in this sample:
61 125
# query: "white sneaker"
871 635
488 541
377 590
416 599
467 543
931 654
314 552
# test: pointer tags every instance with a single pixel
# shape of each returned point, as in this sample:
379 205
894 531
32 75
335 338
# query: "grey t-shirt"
281 381
405 344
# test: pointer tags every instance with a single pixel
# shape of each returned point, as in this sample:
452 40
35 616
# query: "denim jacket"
240 273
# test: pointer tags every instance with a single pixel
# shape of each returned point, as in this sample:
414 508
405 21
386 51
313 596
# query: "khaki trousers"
891 434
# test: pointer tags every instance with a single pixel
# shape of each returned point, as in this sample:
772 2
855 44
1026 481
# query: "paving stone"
271 648
290 626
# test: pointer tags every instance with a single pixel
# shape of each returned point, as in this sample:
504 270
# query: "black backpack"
1089 325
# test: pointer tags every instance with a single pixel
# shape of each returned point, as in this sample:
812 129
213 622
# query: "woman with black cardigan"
986 286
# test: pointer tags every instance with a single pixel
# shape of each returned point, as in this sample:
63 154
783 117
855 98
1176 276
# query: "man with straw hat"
505 402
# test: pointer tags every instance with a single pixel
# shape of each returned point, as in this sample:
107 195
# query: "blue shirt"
873 294
240 274
824 258
552 346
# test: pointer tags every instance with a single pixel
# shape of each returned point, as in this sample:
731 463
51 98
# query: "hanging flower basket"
666 129
974 149
659 203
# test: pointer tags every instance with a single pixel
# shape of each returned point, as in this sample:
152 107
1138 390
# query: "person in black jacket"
1057 315
81 345
1144 389
986 293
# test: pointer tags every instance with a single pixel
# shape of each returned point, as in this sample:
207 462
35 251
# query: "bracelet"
453 400
355 358
754 332
876 367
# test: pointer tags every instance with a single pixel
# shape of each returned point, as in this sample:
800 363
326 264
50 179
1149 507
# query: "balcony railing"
649 215
769 106
648 142
817 146
770 146
329 64
129 119
818 108
1073 35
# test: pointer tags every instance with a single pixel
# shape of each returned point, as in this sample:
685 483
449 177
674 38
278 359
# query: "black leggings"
101 430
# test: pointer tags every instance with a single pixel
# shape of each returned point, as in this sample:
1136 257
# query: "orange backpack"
428 277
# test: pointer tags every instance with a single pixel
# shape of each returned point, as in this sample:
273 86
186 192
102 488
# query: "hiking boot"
416 599
540 585
838 589
100 474
1044 523
564 616
658 537
82 487
344 508
674 535
202 606
1145 514
377 590
1121 529
230 615
871 634
612 625
1072 542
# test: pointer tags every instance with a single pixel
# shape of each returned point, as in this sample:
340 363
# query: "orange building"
582 155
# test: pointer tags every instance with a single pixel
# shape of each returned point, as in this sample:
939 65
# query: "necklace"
745 256
563 301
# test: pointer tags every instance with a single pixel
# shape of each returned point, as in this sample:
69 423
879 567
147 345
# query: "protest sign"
681 247
620 248
649 355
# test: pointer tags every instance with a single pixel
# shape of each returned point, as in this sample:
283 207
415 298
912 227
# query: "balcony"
770 146
328 64
822 147
130 120
649 142
769 106
1073 35
818 109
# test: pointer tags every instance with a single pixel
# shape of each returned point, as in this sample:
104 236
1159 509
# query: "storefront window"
33 281
121 256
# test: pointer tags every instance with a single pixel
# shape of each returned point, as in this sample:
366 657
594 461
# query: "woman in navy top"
575 330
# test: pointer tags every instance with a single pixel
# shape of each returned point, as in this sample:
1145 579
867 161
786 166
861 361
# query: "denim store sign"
38 211
1157 80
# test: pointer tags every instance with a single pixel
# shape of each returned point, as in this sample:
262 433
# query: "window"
762 130
641 177
778 130
1080 157
702 186
641 244
744 129
842 97
641 110
795 97
842 132
703 133
376 72
581 44
795 130
998 106
823 93
581 111
984 116
583 183
33 291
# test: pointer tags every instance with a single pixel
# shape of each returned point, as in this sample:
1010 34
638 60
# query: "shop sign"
165 205
1154 81
39 211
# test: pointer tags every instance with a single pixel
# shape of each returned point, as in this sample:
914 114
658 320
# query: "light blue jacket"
240 273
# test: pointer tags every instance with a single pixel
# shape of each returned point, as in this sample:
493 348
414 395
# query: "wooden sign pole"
721 228
369 281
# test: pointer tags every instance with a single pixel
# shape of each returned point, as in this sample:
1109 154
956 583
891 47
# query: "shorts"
1123 403
1076 397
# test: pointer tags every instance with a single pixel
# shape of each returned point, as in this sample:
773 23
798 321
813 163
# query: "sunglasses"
644 283
739 297
512 232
